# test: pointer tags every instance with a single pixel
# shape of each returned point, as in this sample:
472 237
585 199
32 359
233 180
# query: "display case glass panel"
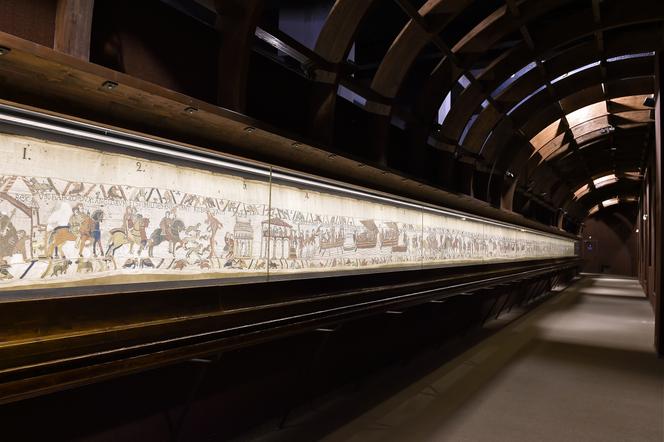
76 213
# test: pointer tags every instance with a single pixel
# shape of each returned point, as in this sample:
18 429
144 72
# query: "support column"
73 27
657 220
236 24
507 194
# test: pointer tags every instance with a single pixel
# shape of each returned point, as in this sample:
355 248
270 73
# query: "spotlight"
109 85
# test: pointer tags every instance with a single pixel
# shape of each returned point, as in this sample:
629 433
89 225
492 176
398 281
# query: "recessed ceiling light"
109 85
249 129
191 110
4 50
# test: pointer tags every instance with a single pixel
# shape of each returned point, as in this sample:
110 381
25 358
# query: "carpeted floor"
579 368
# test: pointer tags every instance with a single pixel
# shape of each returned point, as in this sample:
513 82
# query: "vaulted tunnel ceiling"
518 103
549 93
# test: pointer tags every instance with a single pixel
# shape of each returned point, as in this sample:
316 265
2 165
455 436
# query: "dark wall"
150 40
609 244
33 20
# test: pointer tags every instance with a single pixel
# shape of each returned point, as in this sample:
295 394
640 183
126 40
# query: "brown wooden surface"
236 24
37 76
54 344
73 27
657 222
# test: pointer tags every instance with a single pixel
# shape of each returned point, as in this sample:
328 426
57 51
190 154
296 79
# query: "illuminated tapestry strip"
71 215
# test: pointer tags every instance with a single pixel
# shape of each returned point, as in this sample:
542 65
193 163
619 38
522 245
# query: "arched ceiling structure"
517 103
545 95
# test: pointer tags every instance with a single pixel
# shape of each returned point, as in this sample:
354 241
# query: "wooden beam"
436 88
34 75
73 27
338 33
236 23
333 45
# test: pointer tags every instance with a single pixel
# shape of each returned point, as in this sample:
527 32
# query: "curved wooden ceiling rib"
338 33
468 103
412 39
579 170
600 149
579 208
554 52
400 57
516 151
515 59
587 131
333 44
581 164
542 110
621 188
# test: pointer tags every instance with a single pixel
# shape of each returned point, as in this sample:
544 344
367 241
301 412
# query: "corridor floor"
581 367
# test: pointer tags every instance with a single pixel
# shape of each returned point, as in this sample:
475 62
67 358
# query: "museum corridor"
352 220
579 368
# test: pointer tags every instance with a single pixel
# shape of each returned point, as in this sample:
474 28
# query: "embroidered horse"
172 236
63 234
134 236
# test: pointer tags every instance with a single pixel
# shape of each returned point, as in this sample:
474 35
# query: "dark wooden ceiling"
542 96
